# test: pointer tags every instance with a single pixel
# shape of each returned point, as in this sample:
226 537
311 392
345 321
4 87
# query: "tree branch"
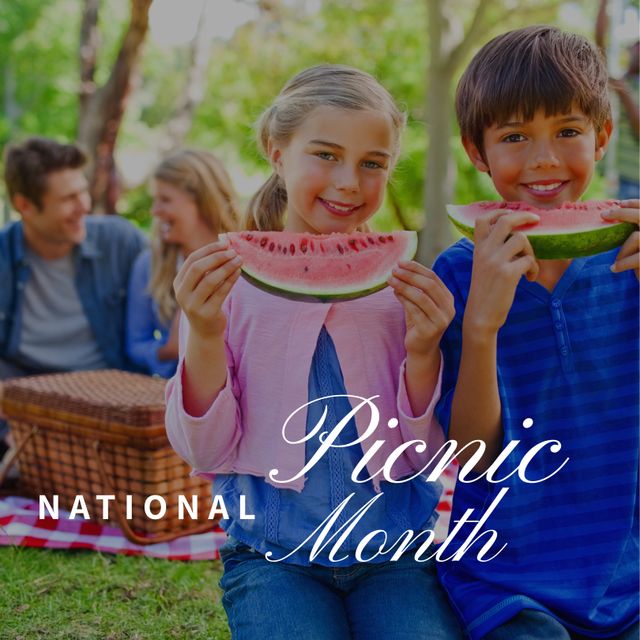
478 31
475 28
89 43
181 119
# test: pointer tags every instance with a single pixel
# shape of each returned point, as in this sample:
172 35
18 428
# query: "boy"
553 355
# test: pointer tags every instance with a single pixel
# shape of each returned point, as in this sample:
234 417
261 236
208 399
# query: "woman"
193 201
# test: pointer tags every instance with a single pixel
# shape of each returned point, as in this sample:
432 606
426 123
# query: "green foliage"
244 78
39 65
37 68
136 205
39 80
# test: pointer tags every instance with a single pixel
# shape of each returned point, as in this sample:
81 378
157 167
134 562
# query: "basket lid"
106 395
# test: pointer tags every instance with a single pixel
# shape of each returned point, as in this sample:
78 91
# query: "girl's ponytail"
266 208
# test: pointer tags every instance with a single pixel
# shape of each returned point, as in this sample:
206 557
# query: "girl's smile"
335 169
339 208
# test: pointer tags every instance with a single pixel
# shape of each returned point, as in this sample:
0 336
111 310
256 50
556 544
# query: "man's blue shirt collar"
88 248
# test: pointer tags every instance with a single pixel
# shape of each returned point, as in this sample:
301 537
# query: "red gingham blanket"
20 525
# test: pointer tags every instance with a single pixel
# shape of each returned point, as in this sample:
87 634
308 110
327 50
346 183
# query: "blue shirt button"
564 351
555 302
558 325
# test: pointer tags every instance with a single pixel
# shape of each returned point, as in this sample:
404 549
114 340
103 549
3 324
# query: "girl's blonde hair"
326 85
204 178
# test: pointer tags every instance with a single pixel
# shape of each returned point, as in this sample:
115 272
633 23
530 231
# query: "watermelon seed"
383 240
292 248
272 246
340 249
263 242
353 245
285 250
306 268
371 240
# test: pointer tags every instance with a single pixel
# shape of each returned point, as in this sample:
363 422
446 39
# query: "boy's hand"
629 255
501 256
203 283
428 306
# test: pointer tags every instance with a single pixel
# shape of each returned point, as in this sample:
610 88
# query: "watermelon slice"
324 268
573 230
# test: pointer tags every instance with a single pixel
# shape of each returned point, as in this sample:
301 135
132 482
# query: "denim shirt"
146 333
284 518
102 264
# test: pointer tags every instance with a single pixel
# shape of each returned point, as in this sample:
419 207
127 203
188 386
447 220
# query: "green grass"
82 595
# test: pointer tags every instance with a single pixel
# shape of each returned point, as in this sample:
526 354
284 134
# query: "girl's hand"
501 256
202 284
629 255
428 306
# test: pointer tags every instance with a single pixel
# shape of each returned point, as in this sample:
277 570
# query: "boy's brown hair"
28 165
521 71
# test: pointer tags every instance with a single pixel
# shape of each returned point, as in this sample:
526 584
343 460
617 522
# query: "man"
64 274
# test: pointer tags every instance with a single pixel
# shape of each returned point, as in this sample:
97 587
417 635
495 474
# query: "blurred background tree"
135 79
101 108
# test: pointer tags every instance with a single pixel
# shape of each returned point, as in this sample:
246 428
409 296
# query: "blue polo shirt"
284 518
568 360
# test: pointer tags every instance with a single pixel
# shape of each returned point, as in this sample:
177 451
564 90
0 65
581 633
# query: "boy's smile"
335 169
544 161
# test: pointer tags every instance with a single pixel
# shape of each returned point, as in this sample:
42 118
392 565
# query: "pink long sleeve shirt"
270 343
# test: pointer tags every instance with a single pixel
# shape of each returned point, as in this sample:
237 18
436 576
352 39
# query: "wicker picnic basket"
102 433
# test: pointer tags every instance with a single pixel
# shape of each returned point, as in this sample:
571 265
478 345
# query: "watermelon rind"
300 295
305 293
559 246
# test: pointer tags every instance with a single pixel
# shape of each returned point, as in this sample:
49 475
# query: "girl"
193 200
250 359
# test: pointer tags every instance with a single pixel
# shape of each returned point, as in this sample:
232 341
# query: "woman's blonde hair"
326 85
204 178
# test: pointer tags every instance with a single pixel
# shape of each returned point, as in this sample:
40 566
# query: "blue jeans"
400 600
537 625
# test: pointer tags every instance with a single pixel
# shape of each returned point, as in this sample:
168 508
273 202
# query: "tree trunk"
182 118
89 43
12 113
102 112
440 170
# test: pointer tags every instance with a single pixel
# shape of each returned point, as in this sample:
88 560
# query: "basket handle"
123 522
11 457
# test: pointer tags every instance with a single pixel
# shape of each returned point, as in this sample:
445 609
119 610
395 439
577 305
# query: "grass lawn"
83 595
